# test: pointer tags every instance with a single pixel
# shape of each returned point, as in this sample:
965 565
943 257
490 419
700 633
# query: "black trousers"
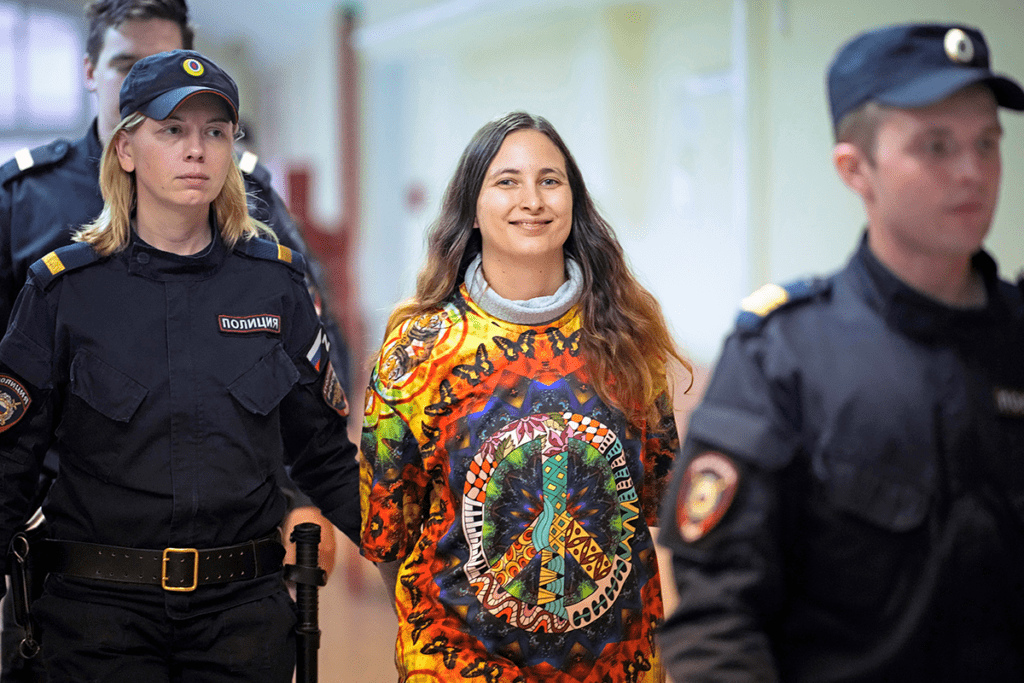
87 641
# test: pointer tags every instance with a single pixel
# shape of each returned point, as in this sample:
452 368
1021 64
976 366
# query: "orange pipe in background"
335 246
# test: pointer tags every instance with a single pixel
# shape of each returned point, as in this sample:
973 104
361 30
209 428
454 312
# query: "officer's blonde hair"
111 230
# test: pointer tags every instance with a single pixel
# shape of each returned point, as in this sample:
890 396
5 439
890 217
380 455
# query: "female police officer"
172 359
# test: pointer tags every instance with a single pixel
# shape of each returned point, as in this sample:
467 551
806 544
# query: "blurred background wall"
701 128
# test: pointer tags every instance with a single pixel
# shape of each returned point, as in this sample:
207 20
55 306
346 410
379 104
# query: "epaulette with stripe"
40 157
63 260
272 251
248 164
759 306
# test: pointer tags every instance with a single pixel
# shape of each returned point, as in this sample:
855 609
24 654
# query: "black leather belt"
173 569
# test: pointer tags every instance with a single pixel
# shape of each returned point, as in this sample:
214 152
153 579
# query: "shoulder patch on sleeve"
62 261
333 394
40 157
272 251
760 305
708 487
14 401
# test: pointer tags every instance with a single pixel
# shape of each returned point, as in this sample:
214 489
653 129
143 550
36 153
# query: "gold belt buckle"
195 570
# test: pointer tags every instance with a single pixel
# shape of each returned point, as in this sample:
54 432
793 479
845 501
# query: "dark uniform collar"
149 262
920 316
93 146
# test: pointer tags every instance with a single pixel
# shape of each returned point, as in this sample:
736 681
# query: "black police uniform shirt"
850 504
171 388
42 205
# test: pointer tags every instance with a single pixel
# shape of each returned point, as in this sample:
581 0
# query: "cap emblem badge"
193 67
959 47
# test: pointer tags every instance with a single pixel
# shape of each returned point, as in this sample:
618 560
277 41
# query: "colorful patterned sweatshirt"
517 501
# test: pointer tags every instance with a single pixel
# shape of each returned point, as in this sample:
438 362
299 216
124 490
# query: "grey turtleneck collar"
534 311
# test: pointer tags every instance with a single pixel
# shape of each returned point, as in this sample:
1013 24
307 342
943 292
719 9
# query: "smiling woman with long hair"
518 432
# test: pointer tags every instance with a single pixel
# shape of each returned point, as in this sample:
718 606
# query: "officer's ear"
853 166
122 145
89 70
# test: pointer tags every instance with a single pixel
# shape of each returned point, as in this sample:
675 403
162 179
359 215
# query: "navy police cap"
913 65
157 84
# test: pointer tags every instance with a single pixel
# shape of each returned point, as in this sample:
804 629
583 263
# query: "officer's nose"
968 166
195 151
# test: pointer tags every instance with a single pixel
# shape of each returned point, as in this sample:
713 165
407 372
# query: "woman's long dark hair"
625 338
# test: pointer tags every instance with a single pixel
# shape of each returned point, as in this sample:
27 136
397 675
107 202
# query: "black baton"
25 571
308 577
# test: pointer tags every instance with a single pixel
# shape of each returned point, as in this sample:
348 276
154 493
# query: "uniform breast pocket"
870 496
97 420
868 528
257 393
263 386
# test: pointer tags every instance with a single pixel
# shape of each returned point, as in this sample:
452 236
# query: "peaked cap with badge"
158 84
913 65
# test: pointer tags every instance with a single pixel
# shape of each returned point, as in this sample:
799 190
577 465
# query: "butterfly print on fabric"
634 668
490 671
376 526
439 645
439 515
409 581
560 343
444 406
481 367
432 434
419 621
523 345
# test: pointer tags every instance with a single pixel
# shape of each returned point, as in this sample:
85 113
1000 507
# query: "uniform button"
143 258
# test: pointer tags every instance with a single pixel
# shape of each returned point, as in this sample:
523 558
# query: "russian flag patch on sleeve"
319 350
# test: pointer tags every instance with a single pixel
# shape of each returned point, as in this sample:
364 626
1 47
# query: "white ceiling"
276 29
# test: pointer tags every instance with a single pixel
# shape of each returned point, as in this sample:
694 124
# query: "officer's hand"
327 545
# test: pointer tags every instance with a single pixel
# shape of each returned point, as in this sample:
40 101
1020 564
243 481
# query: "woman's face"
182 161
524 210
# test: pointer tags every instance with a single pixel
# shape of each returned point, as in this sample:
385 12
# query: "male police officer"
850 504
48 192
